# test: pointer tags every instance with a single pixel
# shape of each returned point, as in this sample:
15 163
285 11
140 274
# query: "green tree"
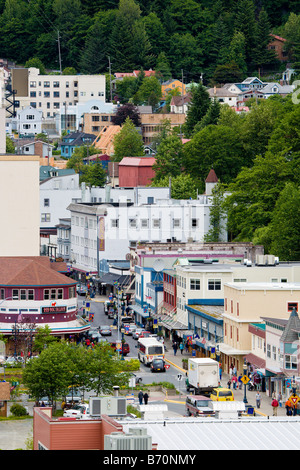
228 73
94 174
51 373
128 142
169 158
253 195
43 338
237 52
36 62
128 39
285 224
217 147
262 56
10 147
149 92
211 117
106 369
162 68
216 216
199 105
126 89
183 186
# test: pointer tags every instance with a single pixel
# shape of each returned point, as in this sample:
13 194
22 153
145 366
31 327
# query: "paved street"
13 434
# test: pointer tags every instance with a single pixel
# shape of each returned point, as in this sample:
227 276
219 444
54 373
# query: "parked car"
77 411
73 396
222 394
125 349
105 330
137 333
145 334
93 330
131 329
81 289
198 405
158 365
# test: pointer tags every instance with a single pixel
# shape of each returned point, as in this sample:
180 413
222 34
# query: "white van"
149 349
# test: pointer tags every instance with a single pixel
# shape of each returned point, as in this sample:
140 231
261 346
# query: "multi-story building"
34 292
48 93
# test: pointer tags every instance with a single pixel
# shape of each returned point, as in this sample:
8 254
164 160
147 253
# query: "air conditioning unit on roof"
136 439
110 406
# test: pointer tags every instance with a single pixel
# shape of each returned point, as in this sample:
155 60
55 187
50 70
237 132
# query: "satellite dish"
158 265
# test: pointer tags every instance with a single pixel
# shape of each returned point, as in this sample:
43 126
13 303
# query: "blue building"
76 139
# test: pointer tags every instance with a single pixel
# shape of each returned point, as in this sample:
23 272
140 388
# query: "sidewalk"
265 407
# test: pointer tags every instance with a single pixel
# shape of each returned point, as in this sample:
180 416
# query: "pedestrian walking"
279 399
146 396
288 407
181 346
229 383
140 397
234 382
258 400
220 371
175 347
240 381
274 406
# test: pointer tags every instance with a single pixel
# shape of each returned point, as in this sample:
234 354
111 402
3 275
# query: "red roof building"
136 171
33 290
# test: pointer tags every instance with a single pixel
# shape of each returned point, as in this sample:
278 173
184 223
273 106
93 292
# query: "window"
46 202
194 223
71 292
214 284
32 84
15 294
292 305
269 351
290 362
46 84
33 94
56 84
176 223
60 293
56 94
156 223
46 294
274 353
23 295
115 223
46 94
45 217
132 223
195 284
144 223
30 295
95 118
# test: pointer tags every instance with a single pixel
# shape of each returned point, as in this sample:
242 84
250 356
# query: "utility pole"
59 56
110 88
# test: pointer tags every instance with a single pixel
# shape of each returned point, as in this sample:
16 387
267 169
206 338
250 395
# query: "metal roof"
275 433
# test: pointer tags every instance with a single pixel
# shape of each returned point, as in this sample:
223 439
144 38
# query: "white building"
28 121
114 227
48 93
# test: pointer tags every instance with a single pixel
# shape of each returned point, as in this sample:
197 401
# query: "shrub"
18 410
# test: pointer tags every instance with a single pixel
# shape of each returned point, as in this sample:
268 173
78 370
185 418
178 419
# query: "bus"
149 349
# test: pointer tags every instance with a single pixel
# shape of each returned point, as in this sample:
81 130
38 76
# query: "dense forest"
194 36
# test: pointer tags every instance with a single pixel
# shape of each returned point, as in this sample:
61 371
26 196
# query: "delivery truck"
203 375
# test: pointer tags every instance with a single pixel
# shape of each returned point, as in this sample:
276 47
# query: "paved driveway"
13 434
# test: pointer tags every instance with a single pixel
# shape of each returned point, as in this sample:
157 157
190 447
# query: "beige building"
246 303
152 124
48 93
20 205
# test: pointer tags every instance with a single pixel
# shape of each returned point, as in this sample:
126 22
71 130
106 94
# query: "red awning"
256 361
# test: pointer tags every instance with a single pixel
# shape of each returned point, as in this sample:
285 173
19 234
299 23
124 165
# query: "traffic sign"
245 379
179 377
294 399
167 366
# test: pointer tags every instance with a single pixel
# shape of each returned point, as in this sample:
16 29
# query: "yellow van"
222 394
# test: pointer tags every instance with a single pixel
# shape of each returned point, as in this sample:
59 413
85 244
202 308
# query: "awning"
140 311
229 351
111 278
258 362
167 322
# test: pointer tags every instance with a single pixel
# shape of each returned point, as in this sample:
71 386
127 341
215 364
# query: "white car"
78 411
131 329
137 333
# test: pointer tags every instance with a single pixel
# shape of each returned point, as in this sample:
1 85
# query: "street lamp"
245 385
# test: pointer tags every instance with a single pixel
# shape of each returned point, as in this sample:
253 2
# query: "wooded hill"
196 36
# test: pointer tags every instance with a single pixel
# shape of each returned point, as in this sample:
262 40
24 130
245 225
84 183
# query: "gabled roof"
137 161
31 271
